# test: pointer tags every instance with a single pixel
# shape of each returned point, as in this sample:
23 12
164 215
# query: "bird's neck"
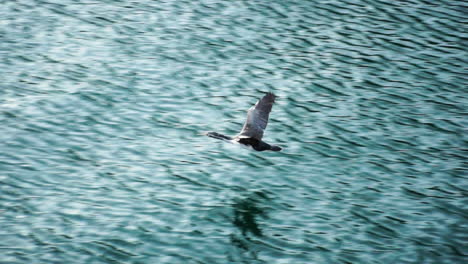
218 136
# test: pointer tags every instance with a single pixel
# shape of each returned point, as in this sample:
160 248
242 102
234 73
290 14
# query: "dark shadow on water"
247 210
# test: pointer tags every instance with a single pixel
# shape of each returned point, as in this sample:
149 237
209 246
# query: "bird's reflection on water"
247 212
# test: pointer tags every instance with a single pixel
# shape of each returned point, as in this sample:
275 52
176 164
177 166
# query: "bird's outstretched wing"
257 118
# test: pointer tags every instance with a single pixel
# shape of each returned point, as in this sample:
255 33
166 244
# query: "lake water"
103 106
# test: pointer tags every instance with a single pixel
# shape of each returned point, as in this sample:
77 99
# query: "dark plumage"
253 129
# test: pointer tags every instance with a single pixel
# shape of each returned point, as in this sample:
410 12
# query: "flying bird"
254 127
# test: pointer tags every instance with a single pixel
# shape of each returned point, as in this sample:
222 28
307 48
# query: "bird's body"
253 129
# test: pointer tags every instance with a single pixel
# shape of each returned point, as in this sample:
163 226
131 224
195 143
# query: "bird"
254 127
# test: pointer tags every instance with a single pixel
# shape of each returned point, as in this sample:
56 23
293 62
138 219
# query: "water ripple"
103 106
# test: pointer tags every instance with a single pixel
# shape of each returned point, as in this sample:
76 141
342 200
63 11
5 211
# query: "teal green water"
103 105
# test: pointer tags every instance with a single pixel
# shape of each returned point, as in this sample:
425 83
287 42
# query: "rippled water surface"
103 105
